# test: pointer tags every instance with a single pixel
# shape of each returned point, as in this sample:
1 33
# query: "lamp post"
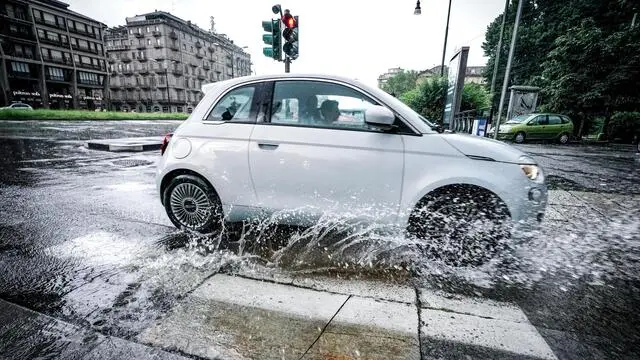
418 11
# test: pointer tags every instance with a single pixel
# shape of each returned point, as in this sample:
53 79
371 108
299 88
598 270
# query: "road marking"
481 322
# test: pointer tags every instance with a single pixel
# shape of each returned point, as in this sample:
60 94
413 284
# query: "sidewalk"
126 144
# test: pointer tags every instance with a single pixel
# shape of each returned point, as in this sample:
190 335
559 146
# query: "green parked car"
537 127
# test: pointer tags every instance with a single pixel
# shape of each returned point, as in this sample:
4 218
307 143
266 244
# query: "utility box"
479 127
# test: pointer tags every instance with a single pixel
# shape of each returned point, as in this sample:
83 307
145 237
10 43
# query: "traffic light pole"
287 64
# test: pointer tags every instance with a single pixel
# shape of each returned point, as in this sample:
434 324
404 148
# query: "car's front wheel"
192 203
519 138
461 225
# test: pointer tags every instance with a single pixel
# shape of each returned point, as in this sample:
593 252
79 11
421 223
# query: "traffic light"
272 38
290 35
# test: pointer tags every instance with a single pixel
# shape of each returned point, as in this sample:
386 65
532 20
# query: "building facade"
159 62
473 74
51 57
382 79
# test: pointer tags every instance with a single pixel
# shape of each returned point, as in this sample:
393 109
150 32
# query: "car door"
536 127
312 153
554 127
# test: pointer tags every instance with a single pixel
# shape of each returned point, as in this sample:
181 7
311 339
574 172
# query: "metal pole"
287 64
497 59
505 82
166 77
446 36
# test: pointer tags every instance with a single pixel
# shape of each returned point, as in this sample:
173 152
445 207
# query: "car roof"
243 79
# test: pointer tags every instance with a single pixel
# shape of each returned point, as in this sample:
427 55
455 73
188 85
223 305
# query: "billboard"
455 82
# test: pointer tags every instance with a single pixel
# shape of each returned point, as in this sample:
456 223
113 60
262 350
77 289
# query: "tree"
401 82
428 98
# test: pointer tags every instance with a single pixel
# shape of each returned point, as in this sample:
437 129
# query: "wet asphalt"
84 240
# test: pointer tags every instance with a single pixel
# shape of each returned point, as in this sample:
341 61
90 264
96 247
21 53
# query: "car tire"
520 137
192 204
461 226
564 138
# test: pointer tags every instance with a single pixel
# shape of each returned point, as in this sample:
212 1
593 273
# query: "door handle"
266 146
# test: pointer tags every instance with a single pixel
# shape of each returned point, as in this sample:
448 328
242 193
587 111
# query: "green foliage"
624 126
42 114
584 54
428 98
401 82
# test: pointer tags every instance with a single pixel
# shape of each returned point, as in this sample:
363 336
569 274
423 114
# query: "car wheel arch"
166 180
456 186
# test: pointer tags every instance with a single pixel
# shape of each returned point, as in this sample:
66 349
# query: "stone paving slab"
126 144
365 288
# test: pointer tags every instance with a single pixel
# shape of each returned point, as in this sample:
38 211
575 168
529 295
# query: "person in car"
309 110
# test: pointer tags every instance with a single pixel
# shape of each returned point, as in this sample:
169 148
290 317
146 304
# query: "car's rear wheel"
564 138
520 137
191 203
461 225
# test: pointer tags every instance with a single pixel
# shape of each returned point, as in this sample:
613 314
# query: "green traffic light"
267 39
268 52
267 25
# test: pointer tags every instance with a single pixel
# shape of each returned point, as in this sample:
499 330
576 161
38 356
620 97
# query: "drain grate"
132 162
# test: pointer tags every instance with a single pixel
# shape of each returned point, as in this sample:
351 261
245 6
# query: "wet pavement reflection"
92 268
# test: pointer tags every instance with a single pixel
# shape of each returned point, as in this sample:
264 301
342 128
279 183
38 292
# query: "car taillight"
165 143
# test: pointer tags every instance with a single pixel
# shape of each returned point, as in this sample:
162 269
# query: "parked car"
248 152
537 127
17 106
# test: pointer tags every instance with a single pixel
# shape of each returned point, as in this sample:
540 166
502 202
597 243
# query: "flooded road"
92 268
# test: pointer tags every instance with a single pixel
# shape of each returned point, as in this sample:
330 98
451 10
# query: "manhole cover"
132 162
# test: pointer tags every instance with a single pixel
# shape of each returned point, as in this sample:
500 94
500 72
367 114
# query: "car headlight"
533 172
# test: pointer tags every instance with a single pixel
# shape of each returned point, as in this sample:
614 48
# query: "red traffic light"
289 21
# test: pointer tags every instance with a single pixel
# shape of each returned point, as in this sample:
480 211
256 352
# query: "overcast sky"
356 38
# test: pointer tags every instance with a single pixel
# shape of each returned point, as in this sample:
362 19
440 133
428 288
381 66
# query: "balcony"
22 35
162 85
111 60
157 34
22 18
206 66
145 85
198 44
158 46
127 72
91 66
129 85
174 47
143 70
58 60
119 47
211 49
142 58
125 58
199 55
139 35
51 41
201 76
141 46
177 71
173 35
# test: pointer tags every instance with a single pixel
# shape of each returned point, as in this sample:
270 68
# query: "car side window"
540 120
236 105
319 104
554 120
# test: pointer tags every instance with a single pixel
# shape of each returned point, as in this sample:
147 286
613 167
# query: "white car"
263 145
17 106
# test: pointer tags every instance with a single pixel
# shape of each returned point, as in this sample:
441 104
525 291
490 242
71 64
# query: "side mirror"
379 116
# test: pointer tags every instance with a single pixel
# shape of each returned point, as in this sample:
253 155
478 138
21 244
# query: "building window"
158 42
55 54
191 48
60 21
81 27
161 80
147 29
64 38
53 36
41 33
56 74
140 42
131 42
37 14
148 41
88 78
130 31
184 36
49 18
157 28
139 30
184 47
19 67
86 60
76 58
83 44
99 48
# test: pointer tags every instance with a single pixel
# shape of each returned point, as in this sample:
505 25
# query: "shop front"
90 99
32 98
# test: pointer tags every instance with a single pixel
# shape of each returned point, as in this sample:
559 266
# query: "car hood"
485 148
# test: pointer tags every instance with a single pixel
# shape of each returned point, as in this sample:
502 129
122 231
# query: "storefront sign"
25 93
60 96
94 98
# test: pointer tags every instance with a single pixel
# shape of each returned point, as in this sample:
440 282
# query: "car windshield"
519 119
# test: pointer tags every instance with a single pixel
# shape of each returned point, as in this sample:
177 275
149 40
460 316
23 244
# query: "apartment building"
51 57
159 62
